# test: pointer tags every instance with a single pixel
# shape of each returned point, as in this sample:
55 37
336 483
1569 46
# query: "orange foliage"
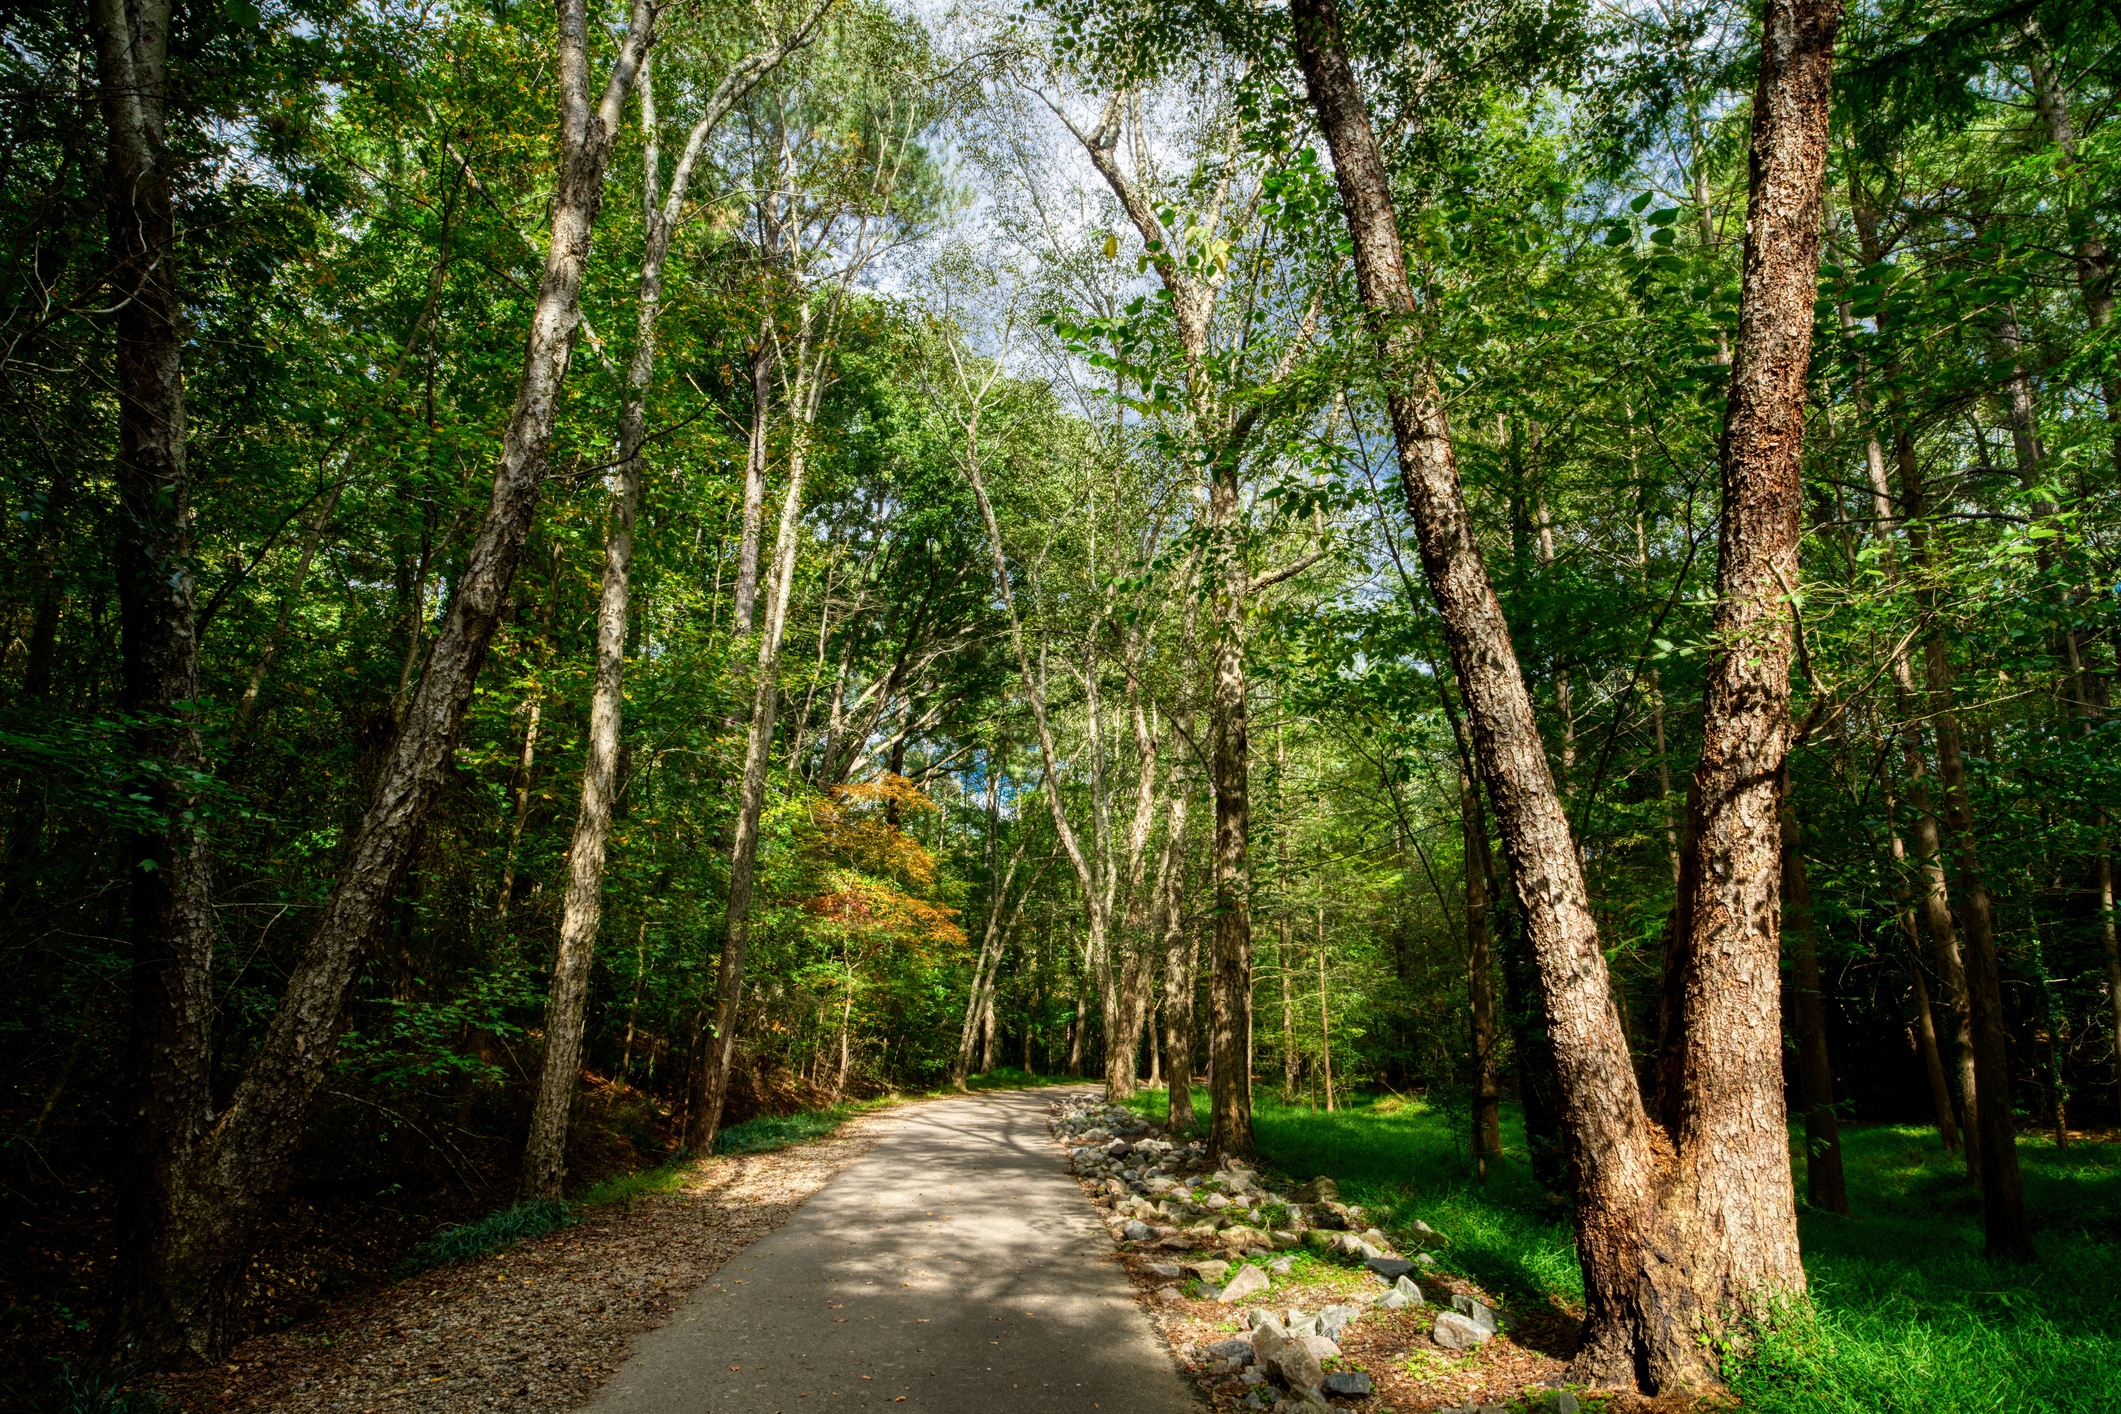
874 869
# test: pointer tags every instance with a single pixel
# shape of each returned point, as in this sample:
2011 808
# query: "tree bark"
1825 1186
162 1315
1926 1025
189 1244
706 1118
544 1153
1178 972
1674 1245
751 526
1480 984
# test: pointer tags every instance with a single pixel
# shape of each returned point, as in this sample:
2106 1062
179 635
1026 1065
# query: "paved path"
956 1269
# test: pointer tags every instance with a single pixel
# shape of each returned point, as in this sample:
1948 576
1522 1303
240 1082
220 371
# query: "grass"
1905 1314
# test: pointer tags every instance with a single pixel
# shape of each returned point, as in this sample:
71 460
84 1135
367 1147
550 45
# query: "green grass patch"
1905 1318
756 1136
464 1241
1004 1077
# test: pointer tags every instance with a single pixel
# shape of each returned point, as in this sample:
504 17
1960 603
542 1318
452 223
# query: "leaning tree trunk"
182 1270
544 1153
705 1118
1674 1245
1825 1187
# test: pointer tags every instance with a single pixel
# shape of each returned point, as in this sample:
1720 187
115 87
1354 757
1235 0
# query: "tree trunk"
1325 1018
544 1153
163 1314
758 745
1178 973
189 1243
1926 1025
1825 1187
1230 994
747 556
1480 979
1994 1124
1674 1245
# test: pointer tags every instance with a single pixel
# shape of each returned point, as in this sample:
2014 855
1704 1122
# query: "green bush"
489 1234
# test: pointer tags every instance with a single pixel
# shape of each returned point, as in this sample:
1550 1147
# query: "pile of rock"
1284 1352
1160 1193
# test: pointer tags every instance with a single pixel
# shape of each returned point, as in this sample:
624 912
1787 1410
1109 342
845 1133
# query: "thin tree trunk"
751 801
188 1245
1325 1019
1673 1245
1281 885
1178 973
544 1153
633 1010
1230 990
1825 1187
526 778
751 526
1932 1061
1480 982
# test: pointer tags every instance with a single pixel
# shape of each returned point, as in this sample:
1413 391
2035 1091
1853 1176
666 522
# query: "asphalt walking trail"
956 1269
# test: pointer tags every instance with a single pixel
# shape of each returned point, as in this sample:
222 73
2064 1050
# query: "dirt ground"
536 1328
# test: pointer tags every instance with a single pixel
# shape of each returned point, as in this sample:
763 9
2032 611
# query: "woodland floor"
1907 1316
535 1328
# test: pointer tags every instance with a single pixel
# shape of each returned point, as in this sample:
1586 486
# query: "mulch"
534 1329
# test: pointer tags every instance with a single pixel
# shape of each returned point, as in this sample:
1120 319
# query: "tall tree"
189 1245
1656 1279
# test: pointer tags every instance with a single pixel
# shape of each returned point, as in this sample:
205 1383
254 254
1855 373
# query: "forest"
588 574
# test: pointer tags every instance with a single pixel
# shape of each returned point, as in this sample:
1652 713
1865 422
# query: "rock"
1169 1271
1298 1367
1353 1383
1260 1316
1457 1332
1319 1238
1565 1403
1267 1343
1409 1290
1320 1346
1207 1271
1329 1218
1298 1324
1168 1296
1319 1190
1394 1300
1217 1202
1478 1314
1390 1268
1119 1148
1281 1266
1225 1349
1138 1231
1249 1281
1423 1259
1178 1242
1285 1241
1239 1238
1335 1319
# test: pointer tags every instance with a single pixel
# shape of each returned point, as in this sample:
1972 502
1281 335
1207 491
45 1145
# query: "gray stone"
1390 1268
1224 1349
1478 1314
1565 1403
1423 1259
1119 1148
1169 1271
1298 1324
1318 1345
1457 1332
1138 1231
1405 1287
1319 1190
1281 1266
1249 1281
1353 1383
1260 1316
1297 1366
1394 1300
1207 1271
1335 1319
